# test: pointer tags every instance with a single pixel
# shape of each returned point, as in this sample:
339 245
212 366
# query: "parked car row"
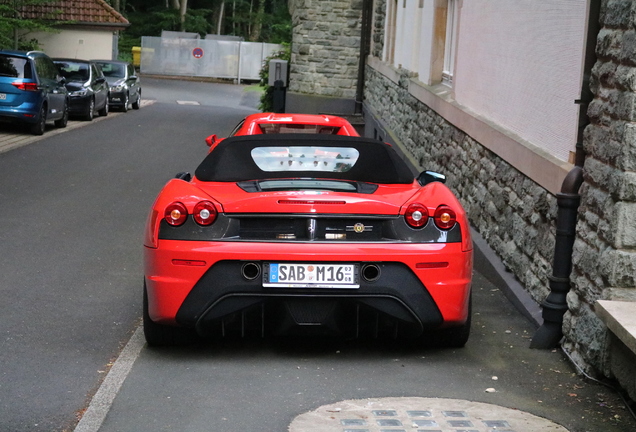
35 89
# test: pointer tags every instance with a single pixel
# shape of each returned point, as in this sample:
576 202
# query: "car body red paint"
403 281
268 123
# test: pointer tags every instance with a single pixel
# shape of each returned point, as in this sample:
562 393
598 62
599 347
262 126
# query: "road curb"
102 401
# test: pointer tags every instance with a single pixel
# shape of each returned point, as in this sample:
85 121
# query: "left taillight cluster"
204 213
417 215
25 86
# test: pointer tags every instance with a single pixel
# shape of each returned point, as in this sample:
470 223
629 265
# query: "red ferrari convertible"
306 234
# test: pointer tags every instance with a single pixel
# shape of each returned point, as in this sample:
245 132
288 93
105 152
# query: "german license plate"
293 275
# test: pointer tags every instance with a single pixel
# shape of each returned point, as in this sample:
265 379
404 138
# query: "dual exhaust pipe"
251 271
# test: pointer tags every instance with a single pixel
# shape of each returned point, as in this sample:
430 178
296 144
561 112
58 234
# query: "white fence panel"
204 58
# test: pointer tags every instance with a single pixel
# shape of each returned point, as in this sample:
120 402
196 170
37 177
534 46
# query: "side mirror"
133 77
427 177
185 176
211 140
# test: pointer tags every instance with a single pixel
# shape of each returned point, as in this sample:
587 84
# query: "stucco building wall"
79 44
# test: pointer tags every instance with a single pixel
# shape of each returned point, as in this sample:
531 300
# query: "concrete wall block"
537 284
586 258
607 222
626 186
588 334
628 48
593 200
608 44
618 267
618 13
598 172
605 73
595 111
626 106
545 244
626 225
625 78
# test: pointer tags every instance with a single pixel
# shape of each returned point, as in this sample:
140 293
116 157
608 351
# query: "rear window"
113 70
305 158
280 128
73 71
15 67
301 156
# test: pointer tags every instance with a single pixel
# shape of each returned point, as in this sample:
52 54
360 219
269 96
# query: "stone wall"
325 47
605 248
377 33
513 214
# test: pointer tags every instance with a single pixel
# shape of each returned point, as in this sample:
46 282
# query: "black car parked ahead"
125 85
86 85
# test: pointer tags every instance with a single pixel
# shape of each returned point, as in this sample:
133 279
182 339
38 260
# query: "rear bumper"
117 98
27 112
195 284
79 104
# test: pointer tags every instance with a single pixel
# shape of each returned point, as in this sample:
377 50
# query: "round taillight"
204 213
445 217
176 214
416 215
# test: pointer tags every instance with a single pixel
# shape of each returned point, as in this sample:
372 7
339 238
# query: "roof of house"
78 12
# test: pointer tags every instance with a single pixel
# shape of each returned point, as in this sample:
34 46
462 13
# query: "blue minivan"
31 90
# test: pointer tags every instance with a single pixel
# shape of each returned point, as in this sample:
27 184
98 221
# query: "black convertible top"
232 161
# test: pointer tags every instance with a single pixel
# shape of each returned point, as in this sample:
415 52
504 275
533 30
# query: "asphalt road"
73 209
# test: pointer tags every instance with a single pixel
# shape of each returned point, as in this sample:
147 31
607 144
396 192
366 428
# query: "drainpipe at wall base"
555 305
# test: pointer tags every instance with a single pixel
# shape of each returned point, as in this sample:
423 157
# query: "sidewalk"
15 136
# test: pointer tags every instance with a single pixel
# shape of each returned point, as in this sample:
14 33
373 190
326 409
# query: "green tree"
16 22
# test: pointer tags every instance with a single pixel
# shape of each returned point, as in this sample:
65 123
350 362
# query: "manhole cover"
419 415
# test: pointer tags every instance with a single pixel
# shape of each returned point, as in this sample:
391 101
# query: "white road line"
103 400
188 102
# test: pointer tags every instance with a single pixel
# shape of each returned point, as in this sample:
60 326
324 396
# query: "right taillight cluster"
417 215
204 213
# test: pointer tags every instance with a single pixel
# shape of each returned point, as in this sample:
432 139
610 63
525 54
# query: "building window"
452 14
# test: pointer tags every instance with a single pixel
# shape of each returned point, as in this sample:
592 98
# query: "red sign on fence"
197 52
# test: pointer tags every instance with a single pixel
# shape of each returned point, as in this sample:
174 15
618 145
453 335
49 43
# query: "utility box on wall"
278 80
277 72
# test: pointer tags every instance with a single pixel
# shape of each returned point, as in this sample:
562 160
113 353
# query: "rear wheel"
39 127
137 103
104 111
162 335
61 123
90 113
